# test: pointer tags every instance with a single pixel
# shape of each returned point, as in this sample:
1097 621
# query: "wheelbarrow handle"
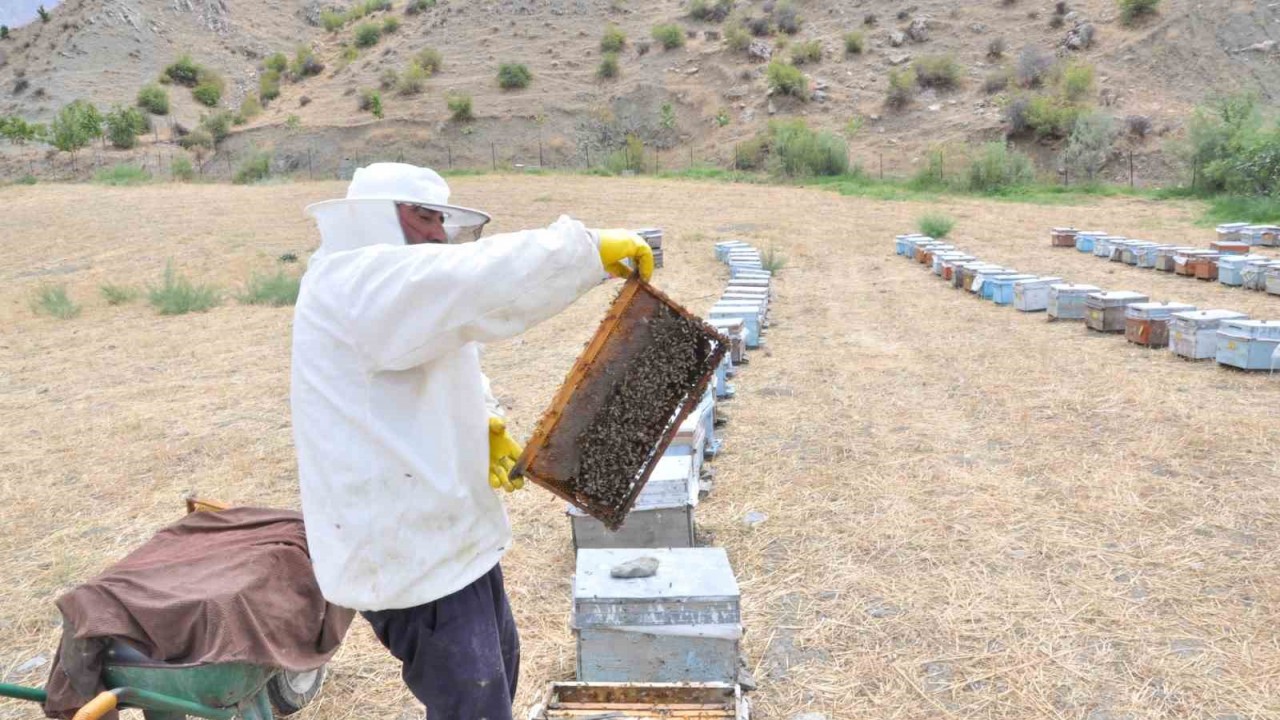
104 703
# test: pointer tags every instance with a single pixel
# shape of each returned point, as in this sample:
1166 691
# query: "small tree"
44 14
902 82
154 99
1090 144
854 42
608 66
413 79
277 62
1077 81
430 59
513 75
124 124
269 85
4 32
459 107
207 94
332 21
669 35
76 125
367 35
371 100
183 71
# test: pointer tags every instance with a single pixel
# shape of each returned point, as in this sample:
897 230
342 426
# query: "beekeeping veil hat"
367 215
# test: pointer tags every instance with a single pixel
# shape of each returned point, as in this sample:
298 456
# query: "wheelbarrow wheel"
291 691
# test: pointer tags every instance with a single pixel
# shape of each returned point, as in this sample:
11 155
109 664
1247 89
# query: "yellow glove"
503 454
619 245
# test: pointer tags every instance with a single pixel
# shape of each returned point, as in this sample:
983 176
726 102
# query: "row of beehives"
636 636
1228 336
1229 259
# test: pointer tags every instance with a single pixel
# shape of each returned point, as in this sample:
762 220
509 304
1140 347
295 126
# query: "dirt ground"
972 512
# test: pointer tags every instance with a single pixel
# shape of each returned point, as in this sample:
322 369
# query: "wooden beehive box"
681 625
1147 324
1105 311
1062 237
644 370
641 701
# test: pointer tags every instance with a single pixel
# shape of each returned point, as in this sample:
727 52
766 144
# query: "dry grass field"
972 512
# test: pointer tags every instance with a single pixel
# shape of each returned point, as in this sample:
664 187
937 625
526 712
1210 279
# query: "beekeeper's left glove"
619 245
503 454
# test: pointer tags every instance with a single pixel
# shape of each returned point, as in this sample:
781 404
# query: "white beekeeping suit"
388 400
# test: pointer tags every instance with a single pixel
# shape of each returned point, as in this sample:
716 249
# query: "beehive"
725 247
1062 237
1231 268
1229 247
1066 301
683 624
1230 232
735 330
1253 276
1105 311
1166 257
1263 235
750 316
1273 278
1194 335
1148 255
1033 295
662 516
1087 239
1204 266
1249 344
1002 287
641 701
984 284
1147 324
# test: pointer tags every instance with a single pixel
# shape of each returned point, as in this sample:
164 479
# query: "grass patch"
669 35
936 225
277 290
118 294
53 300
772 260
177 295
1235 208
122 175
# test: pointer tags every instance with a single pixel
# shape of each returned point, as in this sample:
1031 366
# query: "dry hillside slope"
104 50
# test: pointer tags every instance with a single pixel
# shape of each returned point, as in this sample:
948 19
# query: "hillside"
104 50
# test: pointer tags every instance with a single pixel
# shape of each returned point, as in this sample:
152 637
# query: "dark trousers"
460 654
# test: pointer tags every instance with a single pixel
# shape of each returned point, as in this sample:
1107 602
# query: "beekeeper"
400 443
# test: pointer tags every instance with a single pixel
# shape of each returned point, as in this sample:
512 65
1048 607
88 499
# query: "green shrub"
710 10
367 35
854 42
277 62
608 66
218 125
4 32
997 80
207 95
797 151
999 167
1077 81
418 6
613 39
371 100
1051 116
751 154
413 79
1092 137
513 75
388 79
332 21
53 300
1032 66
183 71
269 85
197 138
305 63
124 125
736 36
181 169
902 84
293 123
787 80
118 294
77 124
772 260
390 25
252 169
1132 10
937 71
278 290
459 107
669 35
806 52
177 295
786 17
250 108
430 59
27 179
154 100
122 174
935 225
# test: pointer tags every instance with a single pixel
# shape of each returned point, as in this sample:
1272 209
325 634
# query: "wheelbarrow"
167 691
174 691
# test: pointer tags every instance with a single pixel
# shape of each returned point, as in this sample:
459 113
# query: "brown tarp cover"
228 586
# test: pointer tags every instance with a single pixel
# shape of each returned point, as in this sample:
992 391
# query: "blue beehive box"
750 317
723 248
1086 238
988 282
905 244
1231 268
1249 344
1002 288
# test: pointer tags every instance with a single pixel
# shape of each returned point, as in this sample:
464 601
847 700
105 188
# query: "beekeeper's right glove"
617 245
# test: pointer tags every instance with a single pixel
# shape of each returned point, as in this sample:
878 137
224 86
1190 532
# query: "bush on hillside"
669 35
154 100
513 75
613 39
937 71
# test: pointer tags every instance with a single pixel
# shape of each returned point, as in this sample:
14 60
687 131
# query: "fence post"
310 168
882 165
493 154
449 149
1195 172
1130 168
539 152
588 149
690 156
